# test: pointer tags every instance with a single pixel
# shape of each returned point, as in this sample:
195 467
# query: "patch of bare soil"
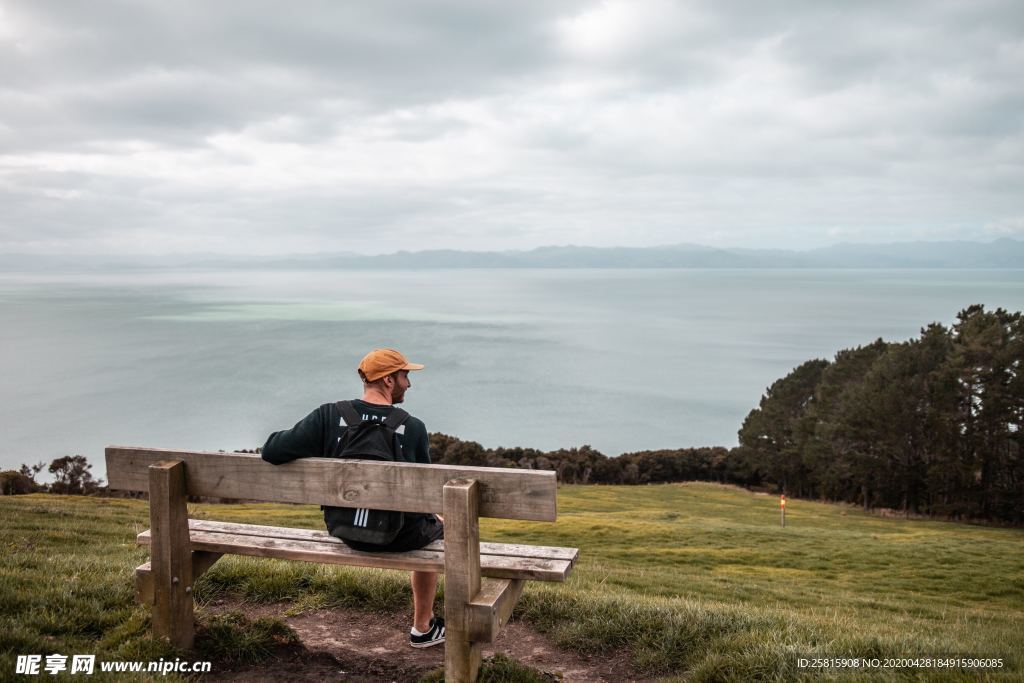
344 644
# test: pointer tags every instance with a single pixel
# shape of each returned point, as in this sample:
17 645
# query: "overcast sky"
140 126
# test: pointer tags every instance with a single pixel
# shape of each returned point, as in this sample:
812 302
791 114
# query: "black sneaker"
434 636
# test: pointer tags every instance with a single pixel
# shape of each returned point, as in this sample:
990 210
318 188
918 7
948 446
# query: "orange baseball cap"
382 362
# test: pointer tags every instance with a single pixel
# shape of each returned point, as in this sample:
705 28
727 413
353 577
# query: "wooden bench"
483 581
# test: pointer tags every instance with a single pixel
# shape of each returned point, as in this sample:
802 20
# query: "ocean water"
621 360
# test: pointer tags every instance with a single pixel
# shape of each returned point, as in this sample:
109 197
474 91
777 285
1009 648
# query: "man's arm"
304 440
421 441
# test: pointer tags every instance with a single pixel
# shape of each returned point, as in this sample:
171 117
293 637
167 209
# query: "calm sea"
619 359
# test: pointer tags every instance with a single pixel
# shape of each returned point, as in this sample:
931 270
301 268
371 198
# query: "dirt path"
343 644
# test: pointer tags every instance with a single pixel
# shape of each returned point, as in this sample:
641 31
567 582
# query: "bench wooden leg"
492 607
201 561
460 502
170 554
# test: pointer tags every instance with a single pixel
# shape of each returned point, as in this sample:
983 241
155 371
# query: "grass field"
696 582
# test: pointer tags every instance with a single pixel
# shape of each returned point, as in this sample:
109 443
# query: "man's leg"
424 589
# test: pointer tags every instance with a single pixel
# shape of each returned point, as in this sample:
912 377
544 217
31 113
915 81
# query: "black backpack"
361 439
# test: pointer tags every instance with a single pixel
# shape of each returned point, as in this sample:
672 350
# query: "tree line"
932 425
586 465
929 426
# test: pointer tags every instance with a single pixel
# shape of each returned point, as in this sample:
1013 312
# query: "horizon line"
675 245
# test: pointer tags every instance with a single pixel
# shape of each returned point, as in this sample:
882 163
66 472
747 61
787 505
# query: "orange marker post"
782 506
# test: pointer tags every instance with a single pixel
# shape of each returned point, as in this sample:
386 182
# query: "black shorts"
417 531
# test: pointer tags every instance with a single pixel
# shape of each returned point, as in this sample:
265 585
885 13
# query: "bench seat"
497 560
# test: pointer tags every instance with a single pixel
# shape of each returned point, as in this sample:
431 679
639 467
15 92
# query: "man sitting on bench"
373 428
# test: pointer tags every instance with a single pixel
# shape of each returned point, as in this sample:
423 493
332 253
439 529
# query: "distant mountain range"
1002 253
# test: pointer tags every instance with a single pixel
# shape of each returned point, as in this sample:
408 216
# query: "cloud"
251 127
1012 226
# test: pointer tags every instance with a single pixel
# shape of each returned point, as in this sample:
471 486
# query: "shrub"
14 483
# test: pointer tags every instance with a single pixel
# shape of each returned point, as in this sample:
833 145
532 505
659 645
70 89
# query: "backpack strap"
396 419
348 413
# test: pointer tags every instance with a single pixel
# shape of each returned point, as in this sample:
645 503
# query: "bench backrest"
504 493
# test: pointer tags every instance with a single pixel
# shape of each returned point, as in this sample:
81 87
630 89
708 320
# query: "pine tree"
840 448
771 430
985 364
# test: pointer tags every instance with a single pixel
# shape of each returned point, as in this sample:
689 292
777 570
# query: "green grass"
696 582
718 586
65 581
